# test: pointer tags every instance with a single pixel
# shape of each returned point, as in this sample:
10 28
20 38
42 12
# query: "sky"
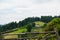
17 10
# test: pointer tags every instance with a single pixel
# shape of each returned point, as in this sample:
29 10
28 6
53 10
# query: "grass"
39 23
19 30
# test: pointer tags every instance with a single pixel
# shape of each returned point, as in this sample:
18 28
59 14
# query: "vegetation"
28 25
26 28
18 30
14 25
55 23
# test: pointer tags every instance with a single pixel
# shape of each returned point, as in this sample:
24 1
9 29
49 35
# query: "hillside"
23 29
33 26
36 29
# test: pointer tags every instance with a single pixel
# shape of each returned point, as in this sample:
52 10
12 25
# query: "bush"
55 23
29 27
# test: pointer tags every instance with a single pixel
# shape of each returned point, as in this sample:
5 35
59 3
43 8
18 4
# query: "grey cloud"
40 1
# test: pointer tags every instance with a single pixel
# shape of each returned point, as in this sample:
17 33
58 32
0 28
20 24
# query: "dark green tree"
29 27
28 20
33 24
46 19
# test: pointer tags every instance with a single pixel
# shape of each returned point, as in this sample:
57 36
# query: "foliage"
33 24
46 19
29 27
8 26
23 29
55 23
26 21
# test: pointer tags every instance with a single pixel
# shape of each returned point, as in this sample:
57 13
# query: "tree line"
13 25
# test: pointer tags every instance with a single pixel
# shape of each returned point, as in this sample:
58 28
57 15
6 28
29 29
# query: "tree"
33 24
46 19
55 23
29 27
28 20
8 26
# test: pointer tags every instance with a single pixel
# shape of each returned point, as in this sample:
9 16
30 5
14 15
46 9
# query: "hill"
23 29
34 29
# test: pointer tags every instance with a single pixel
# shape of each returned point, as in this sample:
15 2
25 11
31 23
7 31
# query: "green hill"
23 29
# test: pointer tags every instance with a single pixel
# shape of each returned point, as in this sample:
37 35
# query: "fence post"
38 38
1 37
19 36
57 34
45 37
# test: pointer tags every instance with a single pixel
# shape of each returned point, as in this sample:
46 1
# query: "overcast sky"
16 10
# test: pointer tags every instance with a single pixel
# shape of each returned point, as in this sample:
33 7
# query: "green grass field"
19 30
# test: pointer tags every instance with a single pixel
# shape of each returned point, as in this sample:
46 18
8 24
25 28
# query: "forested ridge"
14 25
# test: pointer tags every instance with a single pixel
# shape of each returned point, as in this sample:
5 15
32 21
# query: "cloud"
16 10
4 4
6 8
48 8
